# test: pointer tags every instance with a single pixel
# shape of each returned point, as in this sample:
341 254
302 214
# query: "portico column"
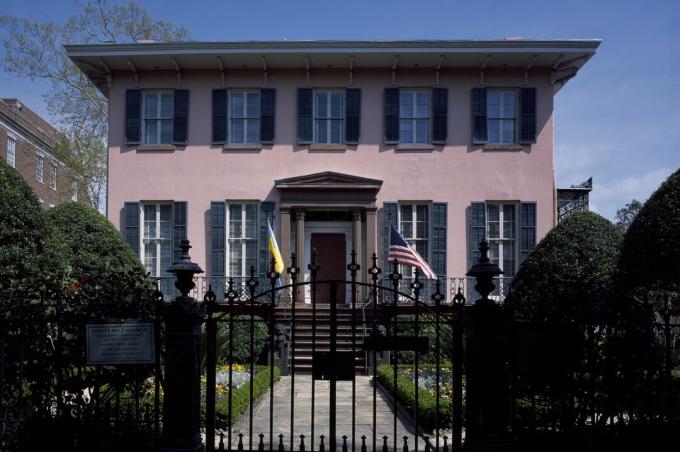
356 244
300 248
285 240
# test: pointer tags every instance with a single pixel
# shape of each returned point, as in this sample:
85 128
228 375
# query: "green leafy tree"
626 214
34 50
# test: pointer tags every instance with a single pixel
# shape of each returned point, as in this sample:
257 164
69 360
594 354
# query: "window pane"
151 132
406 226
235 221
321 105
166 256
166 105
406 104
492 126
508 259
236 131
166 131
253 106
251 255
493 104
321 130
336 131
336 105
253 131
251 221
151 105
509 221
492 212
406 131
422 105
150 258
422 131
149 221
422 248
493 252
508 126
166 221
236 105
235 258
509 104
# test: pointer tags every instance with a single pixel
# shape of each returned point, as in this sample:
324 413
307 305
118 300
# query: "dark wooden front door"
331 256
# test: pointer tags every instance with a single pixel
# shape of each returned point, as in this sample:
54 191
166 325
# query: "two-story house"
333 142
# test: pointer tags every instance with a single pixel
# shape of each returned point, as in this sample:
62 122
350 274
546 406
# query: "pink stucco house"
332 141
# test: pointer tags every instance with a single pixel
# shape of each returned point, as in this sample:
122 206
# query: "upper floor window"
53 176
39 164
501 120
157 117
156 240
414 116
329 117
11 152
244 117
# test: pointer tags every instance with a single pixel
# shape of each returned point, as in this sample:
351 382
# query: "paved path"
303 416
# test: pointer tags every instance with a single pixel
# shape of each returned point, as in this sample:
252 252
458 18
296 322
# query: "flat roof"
563 56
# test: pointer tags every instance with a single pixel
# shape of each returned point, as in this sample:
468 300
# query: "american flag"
406 255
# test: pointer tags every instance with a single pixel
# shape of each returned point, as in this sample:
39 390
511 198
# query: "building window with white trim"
53 176
329 117
244 117
39 164
156 240
414 116
241 238
157 119
414 226
502 236
11 152
501 116
74 189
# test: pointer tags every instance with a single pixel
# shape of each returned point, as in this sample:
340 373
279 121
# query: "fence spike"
240 441
261 445
428 446
322 446
302 443
281 447
446 444
363 443
405 449
221 446
344 443
386 448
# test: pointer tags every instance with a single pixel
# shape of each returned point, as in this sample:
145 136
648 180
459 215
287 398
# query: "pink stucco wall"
458 173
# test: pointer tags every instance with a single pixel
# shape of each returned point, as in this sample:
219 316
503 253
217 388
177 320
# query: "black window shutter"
440 106
180 120
133 116
391 115
479 134
389 219
267 114
352 115
219 116
216 267
264 258
439 239
527 229
527 118
477 230
305 126
131 225
179 228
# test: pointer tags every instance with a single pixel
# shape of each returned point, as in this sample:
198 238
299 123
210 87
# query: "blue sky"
617 121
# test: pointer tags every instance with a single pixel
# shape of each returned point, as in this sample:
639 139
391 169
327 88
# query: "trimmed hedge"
406 395
649 255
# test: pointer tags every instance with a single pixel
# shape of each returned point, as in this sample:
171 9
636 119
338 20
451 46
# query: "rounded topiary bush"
569 276
650 250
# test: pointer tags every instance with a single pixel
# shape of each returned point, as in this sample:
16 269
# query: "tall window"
53 176
329 117
157 117
502 236
11 152
501 108
157 237
39 164
414 226
244 117
414 116
74 189
241 238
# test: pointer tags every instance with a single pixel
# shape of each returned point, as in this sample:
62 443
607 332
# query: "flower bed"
427 399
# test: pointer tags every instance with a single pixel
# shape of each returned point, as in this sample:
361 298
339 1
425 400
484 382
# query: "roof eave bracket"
179 72
221 66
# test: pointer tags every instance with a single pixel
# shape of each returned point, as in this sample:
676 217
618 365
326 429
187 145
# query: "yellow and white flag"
274 250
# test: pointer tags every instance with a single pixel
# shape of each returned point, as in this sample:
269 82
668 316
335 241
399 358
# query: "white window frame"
502 242
247 115
159 120
245 271
158 239
414 118
503 115
12 151
39 168
74 189
414 221
53 176
328 115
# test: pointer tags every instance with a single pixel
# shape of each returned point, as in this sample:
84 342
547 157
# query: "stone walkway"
303 416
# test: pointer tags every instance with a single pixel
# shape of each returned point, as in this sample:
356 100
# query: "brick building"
28 142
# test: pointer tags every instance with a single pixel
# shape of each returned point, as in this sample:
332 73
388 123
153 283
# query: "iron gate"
381 372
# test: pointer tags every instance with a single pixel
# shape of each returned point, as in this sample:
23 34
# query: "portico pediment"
328 180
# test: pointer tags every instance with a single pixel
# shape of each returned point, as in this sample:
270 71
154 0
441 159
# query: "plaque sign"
128 342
